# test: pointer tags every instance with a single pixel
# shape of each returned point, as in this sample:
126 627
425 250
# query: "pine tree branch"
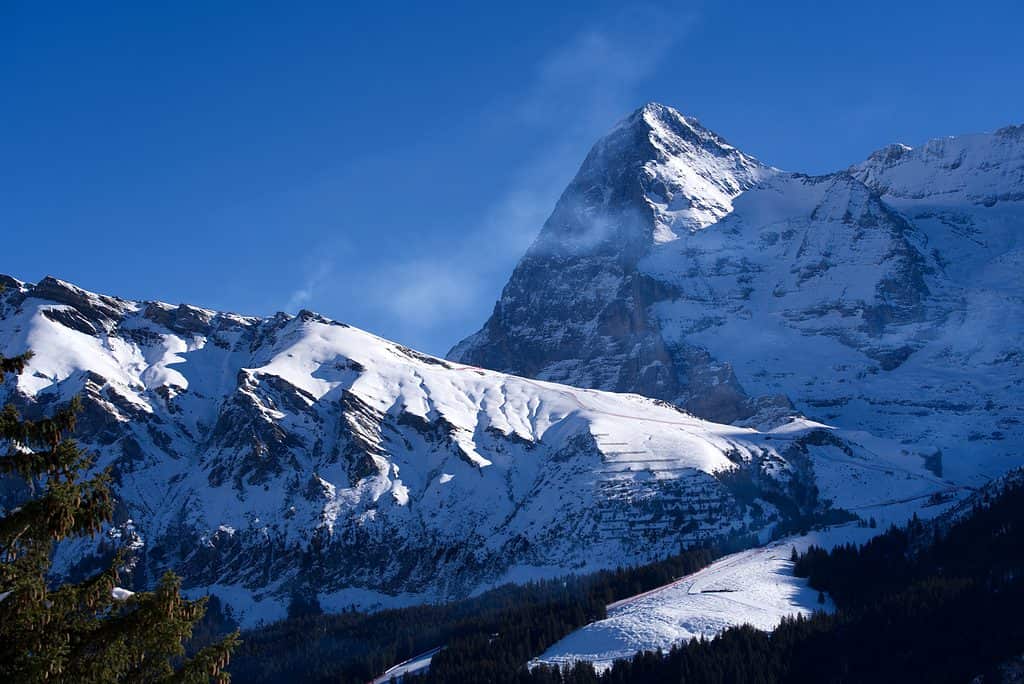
14 365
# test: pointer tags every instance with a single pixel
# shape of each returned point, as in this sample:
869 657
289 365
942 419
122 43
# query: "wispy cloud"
577 92
427 292
316 276
593 78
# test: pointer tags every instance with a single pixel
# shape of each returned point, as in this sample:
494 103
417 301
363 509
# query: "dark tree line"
495 633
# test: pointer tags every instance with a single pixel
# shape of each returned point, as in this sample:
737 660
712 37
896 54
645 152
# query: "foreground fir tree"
85 632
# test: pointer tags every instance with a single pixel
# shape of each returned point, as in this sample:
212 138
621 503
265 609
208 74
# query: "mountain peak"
663 121
657 107
688 174
655 111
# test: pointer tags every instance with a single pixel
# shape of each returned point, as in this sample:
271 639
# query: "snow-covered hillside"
264 457
754 587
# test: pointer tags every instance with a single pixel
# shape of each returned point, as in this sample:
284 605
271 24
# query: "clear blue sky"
386 163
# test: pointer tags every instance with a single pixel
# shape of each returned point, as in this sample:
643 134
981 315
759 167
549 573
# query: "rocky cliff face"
261 457
884 298
577 307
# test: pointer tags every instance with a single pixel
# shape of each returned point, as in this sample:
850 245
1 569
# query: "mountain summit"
657 173
577 307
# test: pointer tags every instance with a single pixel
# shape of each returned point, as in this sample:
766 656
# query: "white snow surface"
754 587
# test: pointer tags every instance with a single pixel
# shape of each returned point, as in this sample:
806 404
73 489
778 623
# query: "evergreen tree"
80 632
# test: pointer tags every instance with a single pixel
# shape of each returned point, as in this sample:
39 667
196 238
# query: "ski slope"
755 587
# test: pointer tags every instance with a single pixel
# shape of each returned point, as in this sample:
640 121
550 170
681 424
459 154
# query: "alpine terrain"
698 346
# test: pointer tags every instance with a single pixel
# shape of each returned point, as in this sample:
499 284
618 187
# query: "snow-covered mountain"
759 346
265 456
885 298
577 307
